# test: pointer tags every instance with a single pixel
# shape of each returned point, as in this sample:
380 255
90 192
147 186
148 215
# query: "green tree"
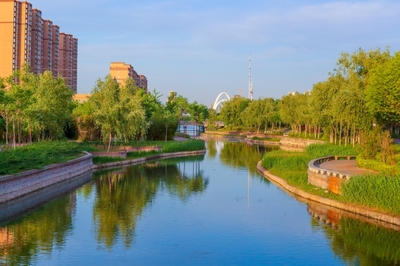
231 111
84 117
198 112
132 114
294 110
253 115
118 110
383 92
212 119
105 97
53 104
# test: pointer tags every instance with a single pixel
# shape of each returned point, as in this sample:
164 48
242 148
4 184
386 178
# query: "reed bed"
374 191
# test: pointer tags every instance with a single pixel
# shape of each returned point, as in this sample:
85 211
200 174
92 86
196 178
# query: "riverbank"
13 186
361 210
147 158
250 138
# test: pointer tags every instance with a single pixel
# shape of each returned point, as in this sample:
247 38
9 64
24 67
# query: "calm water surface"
204 210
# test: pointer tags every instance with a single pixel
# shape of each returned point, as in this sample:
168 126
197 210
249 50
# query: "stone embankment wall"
245 138
297 144
123 150
17 185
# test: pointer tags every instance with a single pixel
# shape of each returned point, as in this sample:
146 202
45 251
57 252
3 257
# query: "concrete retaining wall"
327 179
17 185
29 201
297 144
119 154
123 150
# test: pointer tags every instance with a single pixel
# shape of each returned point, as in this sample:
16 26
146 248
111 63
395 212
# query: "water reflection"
239 154
193 210
122 196
355 239
41 231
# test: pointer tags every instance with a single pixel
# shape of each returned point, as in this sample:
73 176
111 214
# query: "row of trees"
127 112
256 114
363 91
33 107
38 107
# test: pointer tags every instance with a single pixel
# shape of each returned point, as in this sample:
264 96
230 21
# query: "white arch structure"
217 103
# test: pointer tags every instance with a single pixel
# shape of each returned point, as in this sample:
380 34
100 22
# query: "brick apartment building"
25 37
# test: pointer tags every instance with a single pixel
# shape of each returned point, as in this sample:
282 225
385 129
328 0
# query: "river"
204 210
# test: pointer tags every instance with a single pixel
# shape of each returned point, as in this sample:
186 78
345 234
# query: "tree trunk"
19 131
7 124
13 125
109 142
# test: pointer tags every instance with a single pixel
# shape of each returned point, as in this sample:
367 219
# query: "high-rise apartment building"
54 31
37 41
67 58
121 72
26 38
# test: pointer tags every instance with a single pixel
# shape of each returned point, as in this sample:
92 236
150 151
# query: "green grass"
187 145
106 159
139 154
268 139
38 155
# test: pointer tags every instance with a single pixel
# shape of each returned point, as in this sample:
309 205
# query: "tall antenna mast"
250 83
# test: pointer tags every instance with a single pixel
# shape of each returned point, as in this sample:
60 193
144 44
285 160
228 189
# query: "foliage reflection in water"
357 241
238 154
123 195
40 231
196 210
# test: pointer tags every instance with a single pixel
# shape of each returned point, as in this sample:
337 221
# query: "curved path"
348 167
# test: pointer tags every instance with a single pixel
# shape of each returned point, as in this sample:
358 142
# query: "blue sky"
200 48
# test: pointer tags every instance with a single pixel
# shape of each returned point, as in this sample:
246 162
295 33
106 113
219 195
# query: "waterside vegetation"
40 154
378 192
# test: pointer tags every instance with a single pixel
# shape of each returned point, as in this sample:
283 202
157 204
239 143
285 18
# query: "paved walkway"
345 167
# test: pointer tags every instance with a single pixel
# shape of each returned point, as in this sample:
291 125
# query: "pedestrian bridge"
219 102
